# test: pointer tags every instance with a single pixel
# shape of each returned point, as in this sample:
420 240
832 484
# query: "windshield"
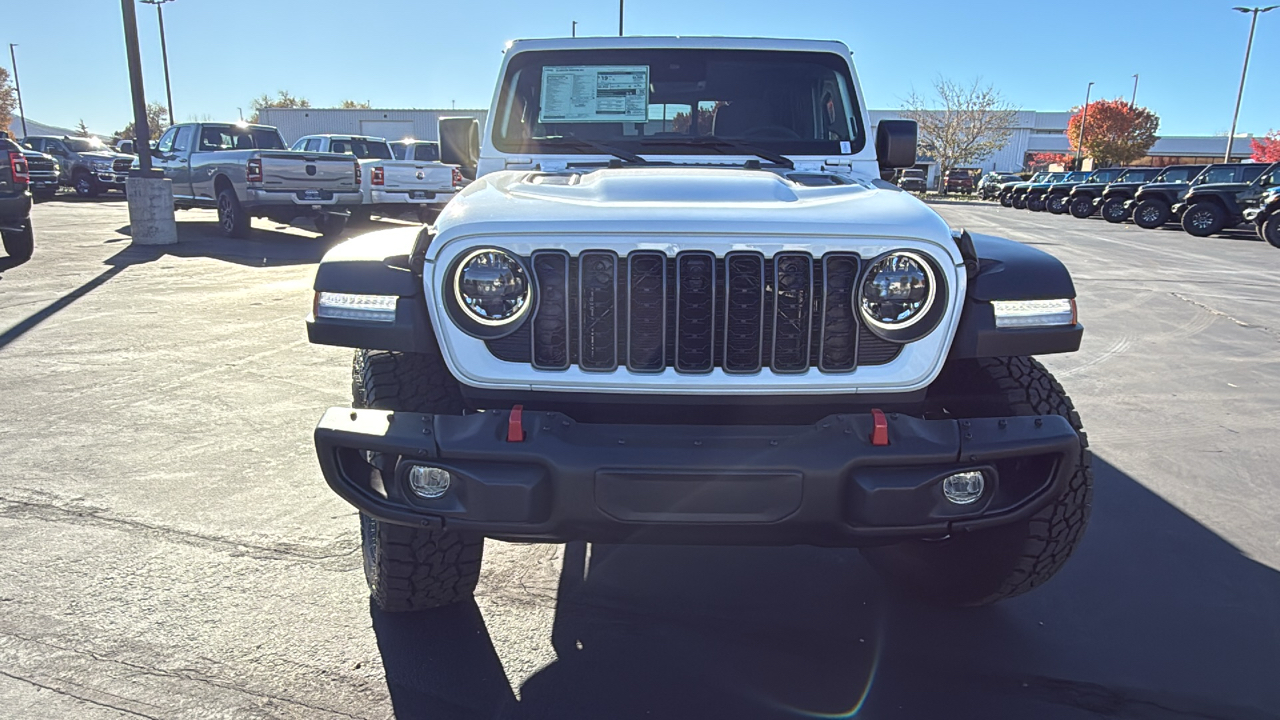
1217 174
1077 177
85 145
677 101
363 148
1056 177
1138 175
1104 176
1179 174
216 138
426 152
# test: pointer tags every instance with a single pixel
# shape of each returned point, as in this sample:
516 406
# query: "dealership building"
1033 133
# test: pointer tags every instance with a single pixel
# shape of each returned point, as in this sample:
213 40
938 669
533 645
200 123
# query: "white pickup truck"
395 185
244 171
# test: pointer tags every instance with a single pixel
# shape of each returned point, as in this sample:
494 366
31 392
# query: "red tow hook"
880 427
515 424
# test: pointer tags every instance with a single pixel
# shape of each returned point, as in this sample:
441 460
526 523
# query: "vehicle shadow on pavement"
1156 616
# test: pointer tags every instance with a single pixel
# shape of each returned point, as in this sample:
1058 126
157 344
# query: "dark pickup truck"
15 201
1264 213
1152 205
1113 205
1058 199
1214 204
1038 194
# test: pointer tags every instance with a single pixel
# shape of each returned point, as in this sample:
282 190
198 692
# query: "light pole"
164 53
1133 102
1083 119
1247 50
17 86
575 29
620 2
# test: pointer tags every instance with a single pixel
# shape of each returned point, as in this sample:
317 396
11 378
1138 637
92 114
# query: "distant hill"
38 128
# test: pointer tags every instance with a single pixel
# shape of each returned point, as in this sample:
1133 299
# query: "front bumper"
822 484
112 178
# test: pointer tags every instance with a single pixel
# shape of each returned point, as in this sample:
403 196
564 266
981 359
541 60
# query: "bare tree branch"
960 124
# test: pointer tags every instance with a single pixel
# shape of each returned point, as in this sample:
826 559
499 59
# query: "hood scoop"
666 186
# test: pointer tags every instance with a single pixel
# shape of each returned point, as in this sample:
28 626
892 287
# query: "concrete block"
151 220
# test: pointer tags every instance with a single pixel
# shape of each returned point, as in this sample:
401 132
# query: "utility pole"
141 133
17 86
1231 137
164 52
1133 102
1083 119
575 29
620 2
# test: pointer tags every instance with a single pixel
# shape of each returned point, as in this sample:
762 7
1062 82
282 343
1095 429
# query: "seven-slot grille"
694 312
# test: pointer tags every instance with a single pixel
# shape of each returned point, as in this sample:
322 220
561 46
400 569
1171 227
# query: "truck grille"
39 165
122 165
694 312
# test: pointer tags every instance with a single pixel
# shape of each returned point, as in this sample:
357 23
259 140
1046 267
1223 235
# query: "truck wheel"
1036 204
231 216
1114 211
1082 207
1019 202
1203 219
985 566
330 226
359 216
20 245
85 185
1056 204
1150 214
1269 230
1006 200
412 568
428 215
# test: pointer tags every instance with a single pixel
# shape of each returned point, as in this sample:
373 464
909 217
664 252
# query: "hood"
678 201
1128 185
27 152
1165 186
1217 188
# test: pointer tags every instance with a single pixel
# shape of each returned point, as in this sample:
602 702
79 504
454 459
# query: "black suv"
1115 198
1215 199
1059 197
1264 213
912 180
1152 205
15 201
1038 194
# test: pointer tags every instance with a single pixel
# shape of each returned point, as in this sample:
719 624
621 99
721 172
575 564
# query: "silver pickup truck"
244 171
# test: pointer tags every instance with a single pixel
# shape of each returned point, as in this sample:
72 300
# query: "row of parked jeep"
1203 199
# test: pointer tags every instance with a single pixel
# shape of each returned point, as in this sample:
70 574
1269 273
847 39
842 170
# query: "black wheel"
359 216
1081 207
232 219
85 185
1019 202
1114 211
1006 200
1151 214
428 214
20 245
985 566
412 568
1056 204
1036 203
1269 230
330 226
1203 219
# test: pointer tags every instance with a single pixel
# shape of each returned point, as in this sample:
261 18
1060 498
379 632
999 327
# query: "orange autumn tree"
1041 161
1115 133
1267 148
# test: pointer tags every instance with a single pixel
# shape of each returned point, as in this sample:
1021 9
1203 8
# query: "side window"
340 146
166 141
301 144
1252 173
313 145
182 143
36 144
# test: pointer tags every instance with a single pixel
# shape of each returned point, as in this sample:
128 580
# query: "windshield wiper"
724 143
574 141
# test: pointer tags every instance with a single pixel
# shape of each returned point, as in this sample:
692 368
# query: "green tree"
354 105
82 130
1115 133
157 123
8 100
283 99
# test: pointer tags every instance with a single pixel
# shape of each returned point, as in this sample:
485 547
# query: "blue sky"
408 53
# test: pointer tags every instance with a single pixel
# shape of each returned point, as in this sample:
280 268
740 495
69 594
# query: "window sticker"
595 93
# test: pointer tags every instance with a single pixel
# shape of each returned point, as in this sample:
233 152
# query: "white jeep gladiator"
394 186
679 305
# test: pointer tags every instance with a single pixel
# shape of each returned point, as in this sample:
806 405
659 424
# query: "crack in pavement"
59 691
1219 313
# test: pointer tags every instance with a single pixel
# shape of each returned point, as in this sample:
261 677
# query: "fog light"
963 488
429 482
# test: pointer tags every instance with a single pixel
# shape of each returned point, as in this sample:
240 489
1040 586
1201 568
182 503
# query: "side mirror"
896 143
460 144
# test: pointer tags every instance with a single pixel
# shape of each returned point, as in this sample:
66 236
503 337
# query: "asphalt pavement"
171 551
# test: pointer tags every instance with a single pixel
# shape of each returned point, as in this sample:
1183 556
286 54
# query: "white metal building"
390 124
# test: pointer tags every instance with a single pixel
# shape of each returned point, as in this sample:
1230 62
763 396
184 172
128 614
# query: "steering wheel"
777 132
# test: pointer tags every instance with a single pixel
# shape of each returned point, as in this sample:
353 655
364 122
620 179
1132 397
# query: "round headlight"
491 287
898 291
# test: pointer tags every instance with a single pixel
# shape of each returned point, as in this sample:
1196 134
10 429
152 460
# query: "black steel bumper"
823 484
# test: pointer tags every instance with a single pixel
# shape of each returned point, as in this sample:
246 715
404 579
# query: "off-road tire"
85 184
986 566
20 245
1036 204
1082 207
1269 230
1056 204
1114 211
412 568
1006 199
330 226
233 221
1019 202
1151 214
1203 219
